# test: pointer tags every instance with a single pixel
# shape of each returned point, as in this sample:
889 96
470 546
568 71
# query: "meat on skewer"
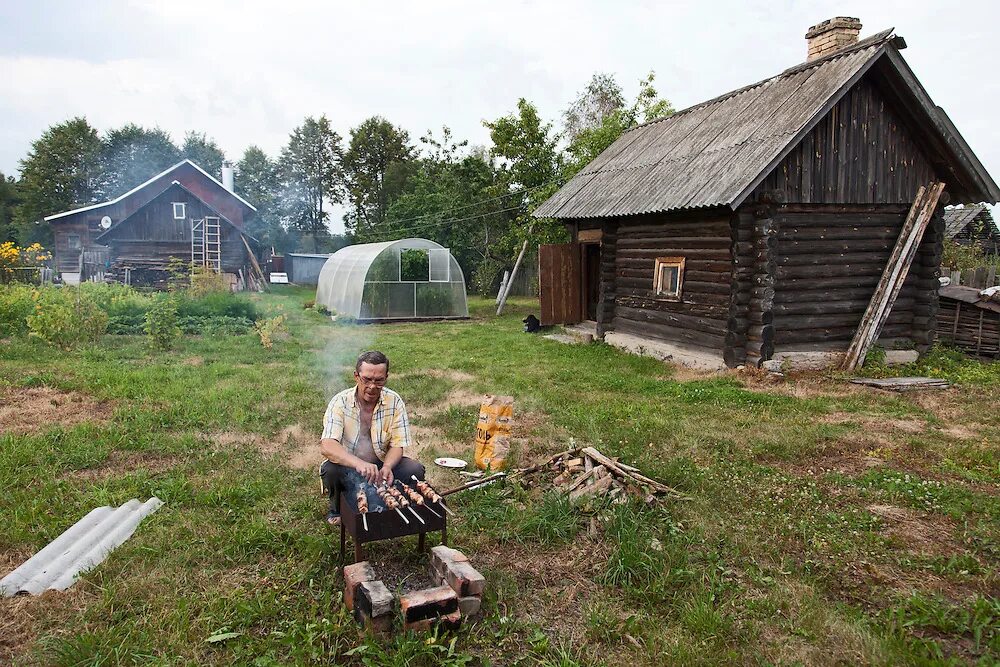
403 502
391 503
363 507
431 495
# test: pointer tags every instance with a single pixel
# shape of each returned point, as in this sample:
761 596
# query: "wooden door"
559 283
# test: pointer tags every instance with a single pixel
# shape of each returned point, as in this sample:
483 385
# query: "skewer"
432 511
419 518
364 520
439 501
402 516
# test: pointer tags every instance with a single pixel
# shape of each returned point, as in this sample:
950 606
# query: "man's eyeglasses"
372 382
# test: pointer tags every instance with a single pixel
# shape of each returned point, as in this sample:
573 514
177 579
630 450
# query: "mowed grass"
822 525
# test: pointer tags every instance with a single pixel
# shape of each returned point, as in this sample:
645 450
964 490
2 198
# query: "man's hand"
369 471
386 473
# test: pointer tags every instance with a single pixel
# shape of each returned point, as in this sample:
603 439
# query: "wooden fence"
982 277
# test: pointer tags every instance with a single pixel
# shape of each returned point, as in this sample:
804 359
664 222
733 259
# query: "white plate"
448 462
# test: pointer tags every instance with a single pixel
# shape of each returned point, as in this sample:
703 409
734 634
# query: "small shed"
969 319
409 279
756 225
972 224
304 268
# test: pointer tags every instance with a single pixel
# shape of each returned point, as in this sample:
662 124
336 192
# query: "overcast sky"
248 72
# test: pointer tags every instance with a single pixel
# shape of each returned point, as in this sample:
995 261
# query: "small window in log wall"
73 241
179 212
668 278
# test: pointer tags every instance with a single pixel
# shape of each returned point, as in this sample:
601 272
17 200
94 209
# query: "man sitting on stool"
366 429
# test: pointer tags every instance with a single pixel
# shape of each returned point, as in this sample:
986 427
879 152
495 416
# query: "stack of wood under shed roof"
969 319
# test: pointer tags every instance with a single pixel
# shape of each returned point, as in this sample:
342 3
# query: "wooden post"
503 286
513 273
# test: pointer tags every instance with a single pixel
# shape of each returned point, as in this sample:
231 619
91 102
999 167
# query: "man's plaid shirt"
390 425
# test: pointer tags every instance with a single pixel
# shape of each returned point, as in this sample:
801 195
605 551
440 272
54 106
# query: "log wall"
827 262
700 318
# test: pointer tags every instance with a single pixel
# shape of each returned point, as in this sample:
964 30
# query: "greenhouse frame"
409 279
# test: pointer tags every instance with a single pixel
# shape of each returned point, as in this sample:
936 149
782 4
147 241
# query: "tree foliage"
593 122
9 201
60 172
377 165
311 174
204 152
133 154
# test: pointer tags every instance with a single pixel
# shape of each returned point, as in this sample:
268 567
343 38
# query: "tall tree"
602 97
133 154
9 200
310 168
376 166
258 181
527 150
599 116
59 173
204 152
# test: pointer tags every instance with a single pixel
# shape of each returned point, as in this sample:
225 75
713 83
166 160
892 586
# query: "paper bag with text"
496 415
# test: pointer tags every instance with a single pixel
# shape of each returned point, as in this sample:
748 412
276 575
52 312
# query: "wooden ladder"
213 244
198 242
894 275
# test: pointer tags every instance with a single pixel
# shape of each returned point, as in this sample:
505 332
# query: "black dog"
532 324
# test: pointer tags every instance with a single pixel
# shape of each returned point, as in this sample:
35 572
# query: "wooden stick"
613 467
585 477
474 483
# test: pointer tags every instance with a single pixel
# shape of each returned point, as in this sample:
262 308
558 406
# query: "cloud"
247 73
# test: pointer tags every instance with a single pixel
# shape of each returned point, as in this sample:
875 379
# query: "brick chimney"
832 35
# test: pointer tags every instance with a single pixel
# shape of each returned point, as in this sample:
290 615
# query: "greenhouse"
397 280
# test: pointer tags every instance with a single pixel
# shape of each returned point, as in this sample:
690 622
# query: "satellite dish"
106 222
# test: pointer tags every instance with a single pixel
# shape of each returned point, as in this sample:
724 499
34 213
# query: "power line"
484 201
452 221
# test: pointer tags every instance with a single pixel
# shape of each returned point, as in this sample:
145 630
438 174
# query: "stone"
470 605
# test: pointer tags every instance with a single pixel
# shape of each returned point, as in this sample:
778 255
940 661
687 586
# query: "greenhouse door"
559 283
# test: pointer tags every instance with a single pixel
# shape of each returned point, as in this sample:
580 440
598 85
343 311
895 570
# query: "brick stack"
832 35
458 595
451 567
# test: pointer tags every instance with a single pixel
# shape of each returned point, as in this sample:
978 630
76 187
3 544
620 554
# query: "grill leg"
357 551
422 544
343 542
444 535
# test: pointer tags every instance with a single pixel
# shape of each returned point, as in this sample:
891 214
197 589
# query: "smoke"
352 481
343 344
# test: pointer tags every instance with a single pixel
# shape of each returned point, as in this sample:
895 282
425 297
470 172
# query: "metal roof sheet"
82 546
712 153
956 219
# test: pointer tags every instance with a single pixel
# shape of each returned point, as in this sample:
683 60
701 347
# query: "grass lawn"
826 523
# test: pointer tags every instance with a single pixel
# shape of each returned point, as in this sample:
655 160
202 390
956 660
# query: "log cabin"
972 225
755 226
181 214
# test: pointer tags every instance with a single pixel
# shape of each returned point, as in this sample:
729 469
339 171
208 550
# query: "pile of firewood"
584 472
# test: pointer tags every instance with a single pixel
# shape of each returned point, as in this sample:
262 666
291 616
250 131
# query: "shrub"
269 328
220 325
205 281
16 303
66 316
161 323
215 304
